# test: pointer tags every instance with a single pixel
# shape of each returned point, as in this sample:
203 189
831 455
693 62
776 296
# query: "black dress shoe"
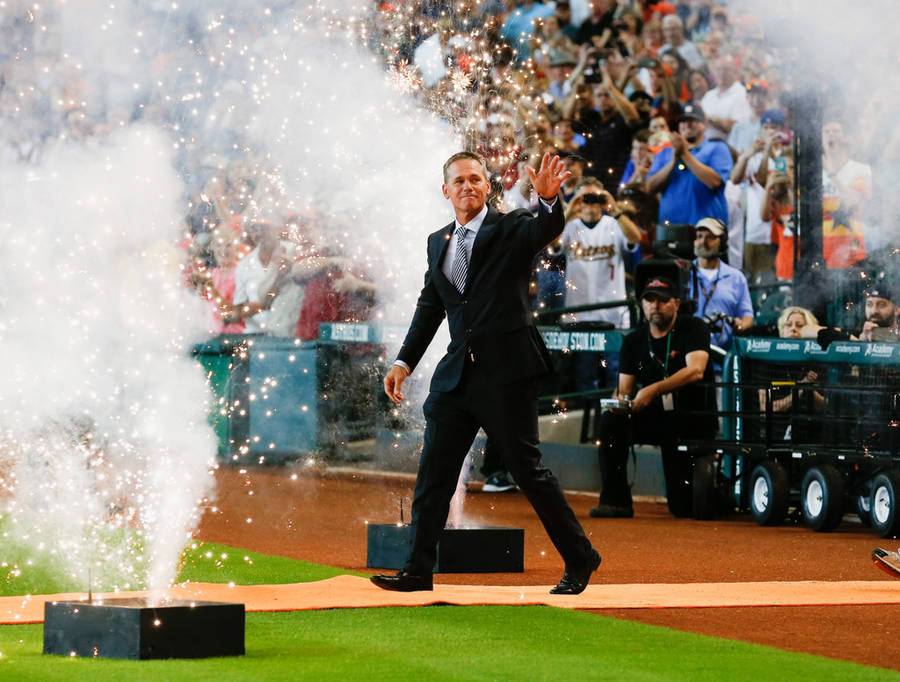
404 582
575 579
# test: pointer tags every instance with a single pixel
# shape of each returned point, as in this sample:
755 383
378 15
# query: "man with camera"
661 365
721 291
604 117
691 174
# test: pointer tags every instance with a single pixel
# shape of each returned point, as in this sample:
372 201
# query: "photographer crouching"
661 365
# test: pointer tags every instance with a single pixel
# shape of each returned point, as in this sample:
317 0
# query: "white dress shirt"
472 228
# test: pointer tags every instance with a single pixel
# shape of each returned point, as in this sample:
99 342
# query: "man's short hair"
461 156
672 20
590 180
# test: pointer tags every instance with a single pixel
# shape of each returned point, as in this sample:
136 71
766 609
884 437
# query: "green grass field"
432 643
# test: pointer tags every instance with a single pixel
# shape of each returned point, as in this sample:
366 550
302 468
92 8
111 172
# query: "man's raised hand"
549 177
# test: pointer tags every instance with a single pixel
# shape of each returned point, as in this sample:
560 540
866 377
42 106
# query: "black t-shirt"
588 29
607 145
688 335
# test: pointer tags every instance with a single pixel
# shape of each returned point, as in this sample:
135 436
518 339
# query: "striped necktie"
460 268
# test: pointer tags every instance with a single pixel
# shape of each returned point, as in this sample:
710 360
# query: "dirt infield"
321 516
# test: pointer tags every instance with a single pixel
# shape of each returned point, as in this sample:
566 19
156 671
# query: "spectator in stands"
595 244
575 164
226 248
756 211
725 104
520 26
746 130
881 323
778 207
661 363
562 64
251 298
673 32
782 391
640 160
691 174
597 28
658 124
565 138
340 293
881 314
652 37
607 129
698 85
718 288
564 19
846 189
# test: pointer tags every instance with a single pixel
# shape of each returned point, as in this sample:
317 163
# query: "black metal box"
133 629
477 549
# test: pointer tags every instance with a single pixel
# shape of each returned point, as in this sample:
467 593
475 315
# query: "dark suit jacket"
492 318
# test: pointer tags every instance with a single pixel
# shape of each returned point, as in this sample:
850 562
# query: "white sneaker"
498 483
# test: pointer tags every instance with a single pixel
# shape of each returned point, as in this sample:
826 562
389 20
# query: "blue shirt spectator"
519 26
691 174
718 287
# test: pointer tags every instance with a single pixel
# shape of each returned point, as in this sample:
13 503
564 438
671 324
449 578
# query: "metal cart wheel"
864 509
885 488
704 492
769 490
822 498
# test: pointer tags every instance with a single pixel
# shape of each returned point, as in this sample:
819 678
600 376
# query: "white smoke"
111 105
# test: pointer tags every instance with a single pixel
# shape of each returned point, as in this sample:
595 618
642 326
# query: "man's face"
880 311
598 7
593 212
758 99
724 71
692 130
706 244
563 13
643 105
467 187
639 152
603 101
672 33
563 130
576 168
560 74
658 310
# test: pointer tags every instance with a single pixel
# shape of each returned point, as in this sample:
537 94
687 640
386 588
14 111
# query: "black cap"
691 110
661 286
879 290
640 94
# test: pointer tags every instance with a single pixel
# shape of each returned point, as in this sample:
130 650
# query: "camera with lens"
716 321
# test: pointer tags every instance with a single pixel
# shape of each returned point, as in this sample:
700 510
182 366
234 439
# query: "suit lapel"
441 251
482 239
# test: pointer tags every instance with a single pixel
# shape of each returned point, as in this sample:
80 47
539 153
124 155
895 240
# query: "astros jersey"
595 269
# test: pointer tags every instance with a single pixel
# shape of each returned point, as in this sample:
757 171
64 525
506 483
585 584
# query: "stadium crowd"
667 113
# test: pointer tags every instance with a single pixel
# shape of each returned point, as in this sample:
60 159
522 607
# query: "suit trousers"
508 415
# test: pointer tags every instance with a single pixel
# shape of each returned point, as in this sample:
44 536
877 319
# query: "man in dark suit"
479 267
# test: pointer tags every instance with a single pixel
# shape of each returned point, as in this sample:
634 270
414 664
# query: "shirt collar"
475 224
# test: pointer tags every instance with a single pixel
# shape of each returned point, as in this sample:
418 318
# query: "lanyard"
668 347
707 293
